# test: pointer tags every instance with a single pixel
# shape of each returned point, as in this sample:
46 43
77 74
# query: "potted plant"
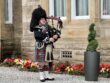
91 56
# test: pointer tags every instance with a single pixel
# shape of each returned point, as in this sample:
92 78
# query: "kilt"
40 52
43 53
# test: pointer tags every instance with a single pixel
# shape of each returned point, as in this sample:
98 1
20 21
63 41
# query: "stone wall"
17 23
73 37
6 29
28 41
6 32
0 18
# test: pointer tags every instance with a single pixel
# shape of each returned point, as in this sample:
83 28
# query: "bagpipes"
52 29
59 23
56 30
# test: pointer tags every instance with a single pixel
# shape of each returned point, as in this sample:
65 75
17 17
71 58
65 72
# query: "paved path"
13 75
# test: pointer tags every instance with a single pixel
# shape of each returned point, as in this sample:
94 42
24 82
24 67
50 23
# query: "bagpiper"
45 35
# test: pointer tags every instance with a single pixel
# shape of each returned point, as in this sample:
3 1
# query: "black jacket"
41 35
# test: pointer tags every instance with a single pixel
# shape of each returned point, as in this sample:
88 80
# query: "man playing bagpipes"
45 35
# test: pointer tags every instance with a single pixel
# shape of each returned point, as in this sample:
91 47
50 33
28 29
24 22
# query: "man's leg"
47 74
50 66
41 73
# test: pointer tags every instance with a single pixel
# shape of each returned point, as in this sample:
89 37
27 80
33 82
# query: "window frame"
73 11
102 15
10 12
51 10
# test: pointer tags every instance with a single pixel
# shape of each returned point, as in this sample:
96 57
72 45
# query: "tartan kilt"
44 53
40 52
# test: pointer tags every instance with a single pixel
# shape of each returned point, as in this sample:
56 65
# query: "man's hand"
55 36
51 39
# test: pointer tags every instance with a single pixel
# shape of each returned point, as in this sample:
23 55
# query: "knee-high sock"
45 68
50 66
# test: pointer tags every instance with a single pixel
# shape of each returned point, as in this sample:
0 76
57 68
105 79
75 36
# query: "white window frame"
51 10
103 16
10 14
73 11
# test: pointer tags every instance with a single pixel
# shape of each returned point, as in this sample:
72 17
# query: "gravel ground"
13 75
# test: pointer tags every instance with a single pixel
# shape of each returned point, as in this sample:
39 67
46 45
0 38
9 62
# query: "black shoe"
43 80
51 79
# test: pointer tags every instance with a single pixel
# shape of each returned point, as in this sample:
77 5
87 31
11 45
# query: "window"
79 9
57 8
8 11
105 9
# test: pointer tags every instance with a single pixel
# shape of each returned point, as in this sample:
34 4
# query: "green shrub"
92 42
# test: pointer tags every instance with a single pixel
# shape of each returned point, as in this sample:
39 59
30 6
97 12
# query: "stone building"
77 15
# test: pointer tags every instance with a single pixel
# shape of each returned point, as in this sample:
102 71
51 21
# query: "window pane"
6 10
106 7
60 8
81 7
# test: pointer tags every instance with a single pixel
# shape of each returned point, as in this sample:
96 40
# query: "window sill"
105 17
8 22
81 17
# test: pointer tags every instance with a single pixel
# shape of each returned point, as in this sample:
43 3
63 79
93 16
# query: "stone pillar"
0 18
94 10
94 6
1 23
28 41
17 23
0 29
68 10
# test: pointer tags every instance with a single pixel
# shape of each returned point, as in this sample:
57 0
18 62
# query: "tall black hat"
37 14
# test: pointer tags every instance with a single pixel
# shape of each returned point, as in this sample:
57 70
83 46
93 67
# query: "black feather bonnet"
37 14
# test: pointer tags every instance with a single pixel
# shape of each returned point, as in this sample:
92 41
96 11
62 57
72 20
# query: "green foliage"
9 64
92 42
75 72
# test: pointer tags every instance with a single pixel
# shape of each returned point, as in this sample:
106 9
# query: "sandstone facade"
72 44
